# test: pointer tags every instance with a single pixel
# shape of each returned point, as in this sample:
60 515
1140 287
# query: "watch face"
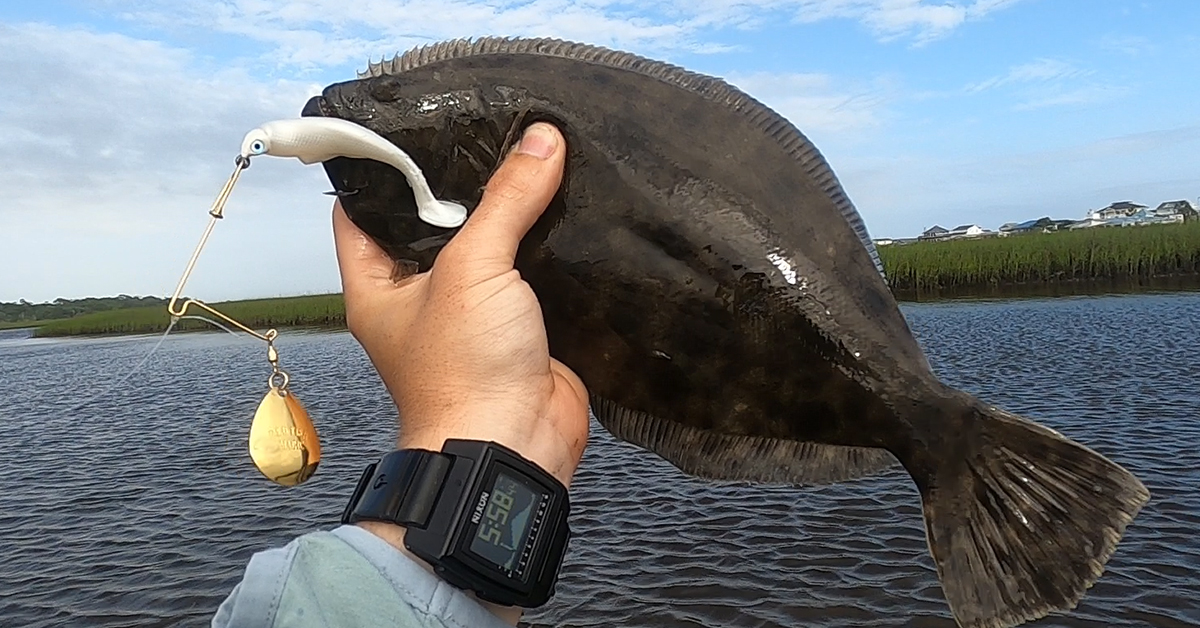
508 522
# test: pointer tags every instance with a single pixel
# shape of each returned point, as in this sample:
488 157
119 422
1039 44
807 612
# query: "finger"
515 197
364 267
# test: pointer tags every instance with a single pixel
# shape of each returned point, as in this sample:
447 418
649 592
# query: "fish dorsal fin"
716 456
762 117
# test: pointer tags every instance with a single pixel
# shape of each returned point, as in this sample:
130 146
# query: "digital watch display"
488 520
512 514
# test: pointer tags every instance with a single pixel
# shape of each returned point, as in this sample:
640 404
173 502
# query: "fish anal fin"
711 455
1025 526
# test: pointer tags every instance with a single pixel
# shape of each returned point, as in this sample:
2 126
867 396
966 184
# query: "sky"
120 119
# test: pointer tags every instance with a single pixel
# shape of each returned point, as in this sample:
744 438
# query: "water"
142 508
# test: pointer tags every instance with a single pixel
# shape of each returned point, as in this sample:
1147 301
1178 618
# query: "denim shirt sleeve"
345 578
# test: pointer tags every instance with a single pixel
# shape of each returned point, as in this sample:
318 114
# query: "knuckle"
452 255
509 187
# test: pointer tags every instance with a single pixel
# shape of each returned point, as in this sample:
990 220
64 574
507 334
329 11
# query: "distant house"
1149 217
1120 209
1171 212
935 232
1119 214
1183 208
965 231
1029 226
1087 223
1044 224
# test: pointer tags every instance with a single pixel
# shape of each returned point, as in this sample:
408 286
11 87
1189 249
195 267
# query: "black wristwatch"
488 520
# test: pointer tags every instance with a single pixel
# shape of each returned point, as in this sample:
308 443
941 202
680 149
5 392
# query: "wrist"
476 515
536 440
393 534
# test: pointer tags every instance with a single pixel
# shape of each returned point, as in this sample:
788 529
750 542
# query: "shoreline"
327 312
324 311
1052 289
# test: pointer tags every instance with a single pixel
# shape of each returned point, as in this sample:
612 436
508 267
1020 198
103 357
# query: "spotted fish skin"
705 274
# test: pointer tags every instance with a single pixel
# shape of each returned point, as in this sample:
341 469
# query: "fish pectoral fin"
711 455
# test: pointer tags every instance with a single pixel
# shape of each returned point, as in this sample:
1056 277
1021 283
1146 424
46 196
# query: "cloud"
1045 83
1038 71
114 149
323 33
1129 45
107 106
893 19
1081 96
818 103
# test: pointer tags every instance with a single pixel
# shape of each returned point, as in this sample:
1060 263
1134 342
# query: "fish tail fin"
1020 520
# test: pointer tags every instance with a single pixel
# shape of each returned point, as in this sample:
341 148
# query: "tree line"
23 311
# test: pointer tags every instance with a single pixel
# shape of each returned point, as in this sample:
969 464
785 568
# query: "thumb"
365 268
515 197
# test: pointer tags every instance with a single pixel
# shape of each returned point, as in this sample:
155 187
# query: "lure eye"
258 147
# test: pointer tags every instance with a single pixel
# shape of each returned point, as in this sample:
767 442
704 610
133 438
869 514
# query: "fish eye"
257 146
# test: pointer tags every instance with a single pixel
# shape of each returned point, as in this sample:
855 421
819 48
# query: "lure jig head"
283 442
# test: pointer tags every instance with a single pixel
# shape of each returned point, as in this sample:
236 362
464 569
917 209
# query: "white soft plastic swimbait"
313 140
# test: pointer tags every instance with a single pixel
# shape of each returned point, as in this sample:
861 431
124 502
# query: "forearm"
394 535
347 577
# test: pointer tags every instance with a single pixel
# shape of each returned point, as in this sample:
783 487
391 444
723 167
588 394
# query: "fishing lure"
283 442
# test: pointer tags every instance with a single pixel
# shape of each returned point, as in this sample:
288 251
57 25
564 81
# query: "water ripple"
142 508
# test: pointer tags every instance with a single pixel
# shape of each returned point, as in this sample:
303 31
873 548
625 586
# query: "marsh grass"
325 310
1102 254
21 324
1130 256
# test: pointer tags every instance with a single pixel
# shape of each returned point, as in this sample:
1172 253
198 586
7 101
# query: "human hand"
462 348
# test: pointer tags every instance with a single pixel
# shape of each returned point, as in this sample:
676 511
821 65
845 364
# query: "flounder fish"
705 274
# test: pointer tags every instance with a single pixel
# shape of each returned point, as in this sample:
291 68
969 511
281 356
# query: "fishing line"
149 354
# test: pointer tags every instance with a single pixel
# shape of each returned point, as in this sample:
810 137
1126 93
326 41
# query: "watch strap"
401 488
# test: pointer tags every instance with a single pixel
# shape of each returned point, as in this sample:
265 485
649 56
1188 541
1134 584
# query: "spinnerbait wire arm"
216 212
